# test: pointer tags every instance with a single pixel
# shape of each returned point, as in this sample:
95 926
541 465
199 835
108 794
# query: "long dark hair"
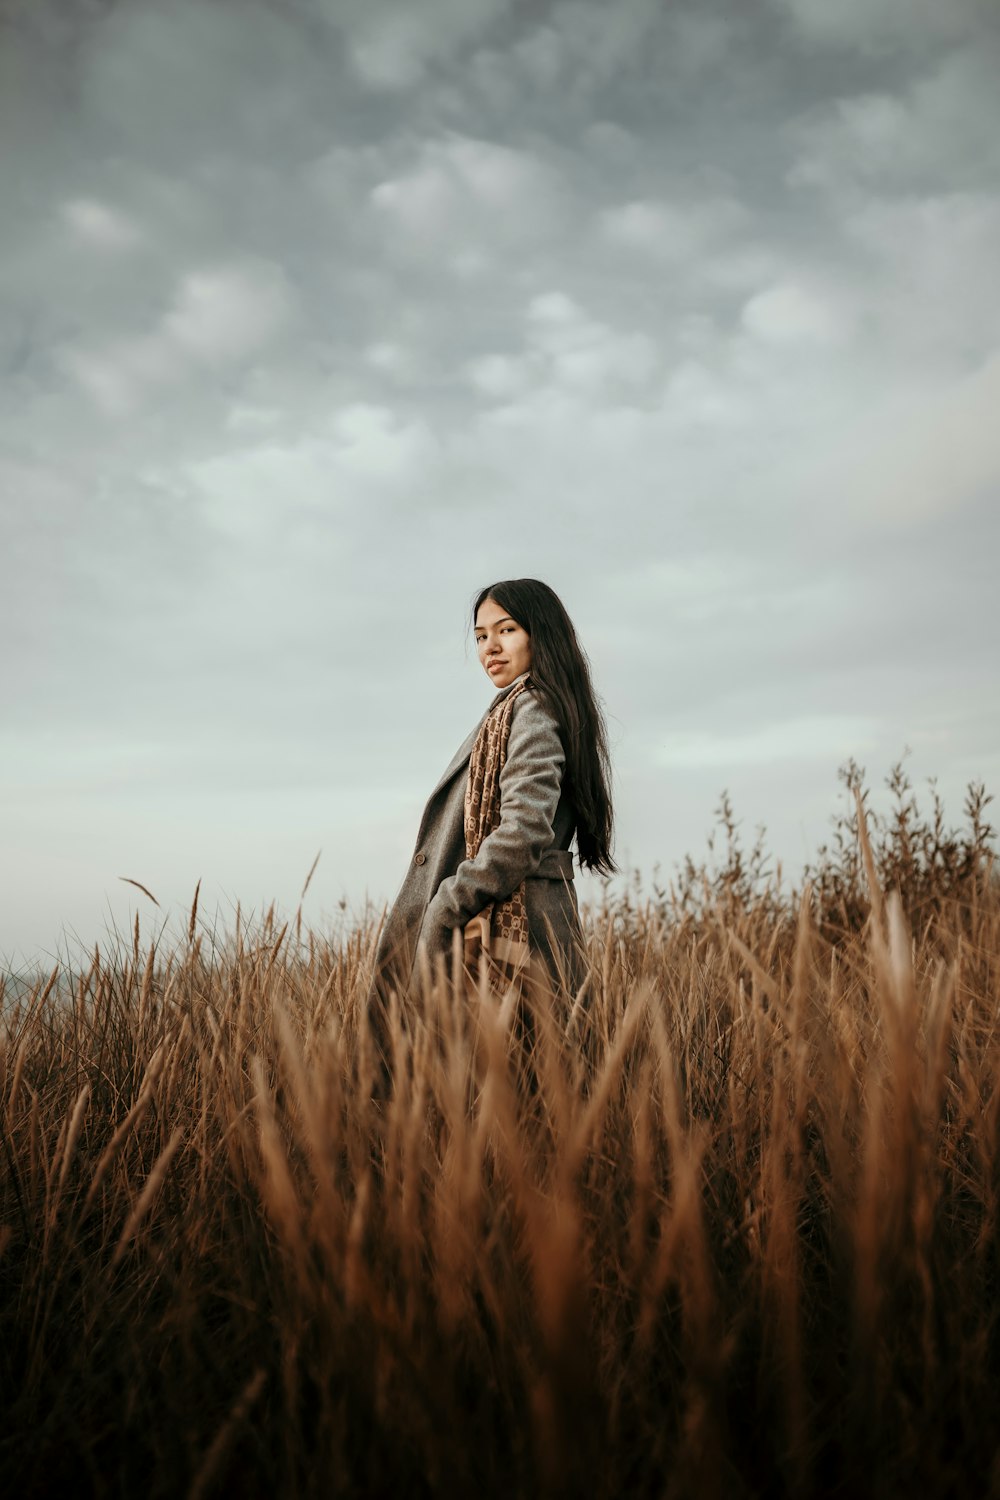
560 670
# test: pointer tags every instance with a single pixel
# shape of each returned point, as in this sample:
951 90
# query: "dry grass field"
732 1230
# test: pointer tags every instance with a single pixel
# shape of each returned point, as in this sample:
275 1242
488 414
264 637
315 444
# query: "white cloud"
117 375
499 376
698 397
937 231
218 316
614 359
101 226
223 313
423 201
462 188
567 356
269 489
391 359
869 136
584 353
789 314
372 442
392 43
673 230
939 130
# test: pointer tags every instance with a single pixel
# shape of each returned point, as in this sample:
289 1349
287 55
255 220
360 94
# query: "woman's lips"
494 664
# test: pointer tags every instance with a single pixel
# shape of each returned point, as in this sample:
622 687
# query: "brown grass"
732 1232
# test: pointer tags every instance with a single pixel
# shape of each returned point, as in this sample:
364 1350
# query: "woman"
492 860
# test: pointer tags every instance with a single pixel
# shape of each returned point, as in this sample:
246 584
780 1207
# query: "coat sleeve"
530 784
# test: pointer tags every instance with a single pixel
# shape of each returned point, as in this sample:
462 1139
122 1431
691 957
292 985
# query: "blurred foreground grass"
739 1236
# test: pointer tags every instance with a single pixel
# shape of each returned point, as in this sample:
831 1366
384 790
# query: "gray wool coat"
442 889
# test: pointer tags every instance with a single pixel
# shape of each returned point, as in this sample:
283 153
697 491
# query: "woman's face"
504 646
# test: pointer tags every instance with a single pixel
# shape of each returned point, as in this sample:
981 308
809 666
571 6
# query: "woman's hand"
434 937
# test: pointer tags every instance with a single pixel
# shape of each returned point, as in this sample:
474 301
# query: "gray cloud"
877 26
314 319
392 45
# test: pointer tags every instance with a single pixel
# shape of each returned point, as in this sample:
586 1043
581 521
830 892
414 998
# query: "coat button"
420 859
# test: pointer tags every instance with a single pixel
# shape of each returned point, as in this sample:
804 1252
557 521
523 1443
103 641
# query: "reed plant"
729 1227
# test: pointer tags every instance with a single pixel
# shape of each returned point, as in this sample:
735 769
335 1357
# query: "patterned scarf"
501 929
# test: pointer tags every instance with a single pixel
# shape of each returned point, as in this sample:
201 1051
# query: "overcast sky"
317 315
